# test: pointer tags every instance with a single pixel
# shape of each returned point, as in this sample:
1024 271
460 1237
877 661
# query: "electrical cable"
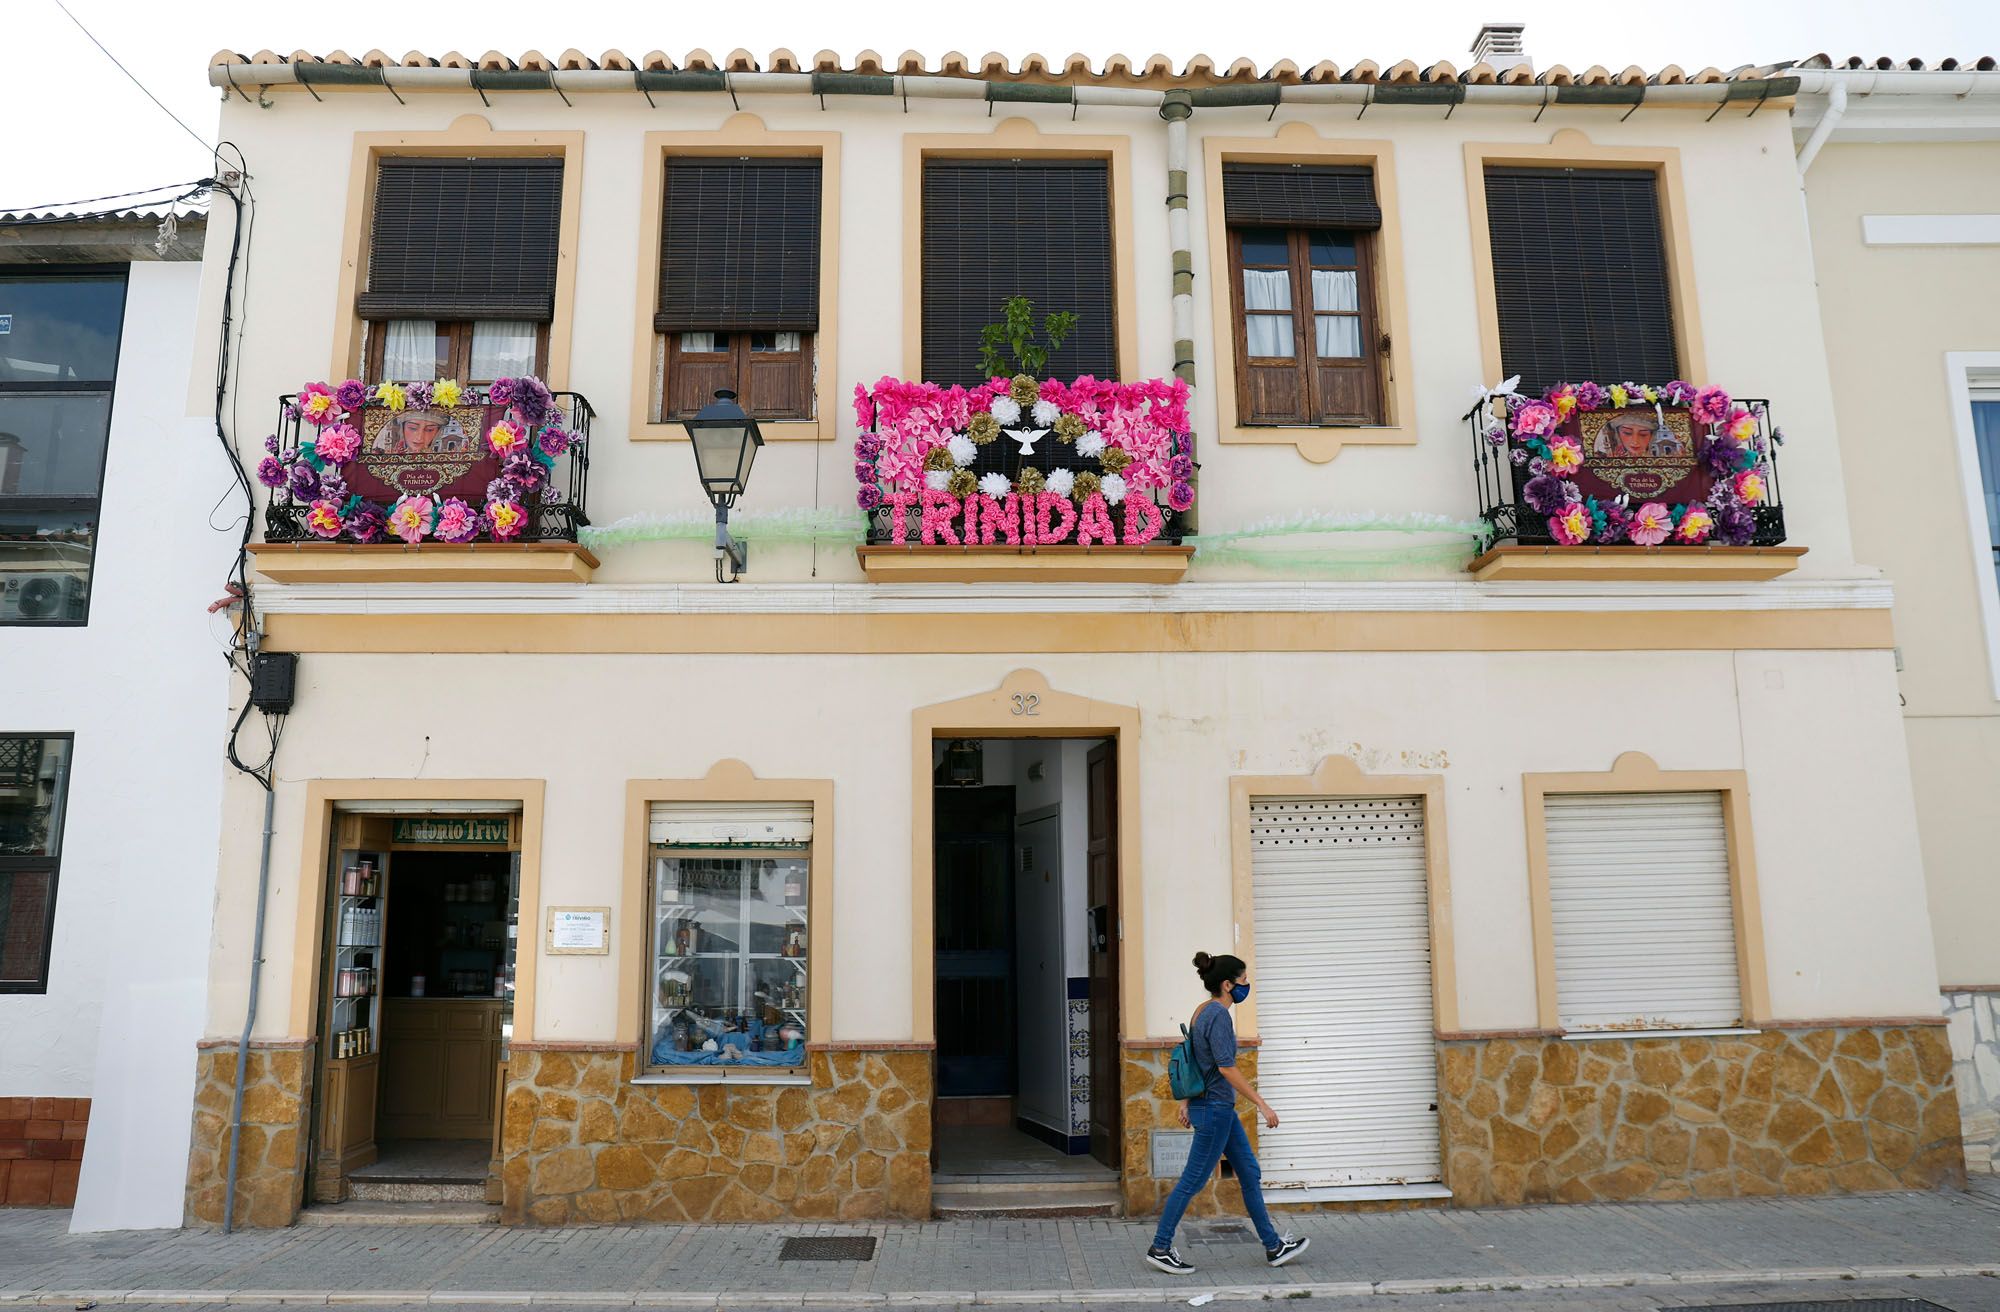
92 200
37 220
135 81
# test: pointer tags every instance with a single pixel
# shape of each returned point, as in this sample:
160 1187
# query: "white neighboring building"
113 682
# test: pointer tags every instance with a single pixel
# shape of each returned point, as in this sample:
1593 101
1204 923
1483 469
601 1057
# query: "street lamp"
725 444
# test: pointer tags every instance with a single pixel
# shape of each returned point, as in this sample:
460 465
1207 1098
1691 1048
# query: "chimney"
1499 44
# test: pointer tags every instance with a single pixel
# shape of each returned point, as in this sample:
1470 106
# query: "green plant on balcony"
1010 346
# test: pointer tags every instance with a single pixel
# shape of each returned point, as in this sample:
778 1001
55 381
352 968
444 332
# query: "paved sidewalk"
1869 1239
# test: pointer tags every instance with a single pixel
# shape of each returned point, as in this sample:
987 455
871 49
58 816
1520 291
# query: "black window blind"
1580 276
464 239
739 246
1301 195
994 229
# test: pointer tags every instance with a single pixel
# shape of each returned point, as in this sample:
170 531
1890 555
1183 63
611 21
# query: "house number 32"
1027 703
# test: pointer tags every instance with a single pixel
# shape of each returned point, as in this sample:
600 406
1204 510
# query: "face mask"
1239 992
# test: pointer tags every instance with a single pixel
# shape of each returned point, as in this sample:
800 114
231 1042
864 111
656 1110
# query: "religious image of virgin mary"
1632 434
421 432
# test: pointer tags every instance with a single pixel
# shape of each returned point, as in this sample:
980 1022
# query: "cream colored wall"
1759 315
1816 732
1890 315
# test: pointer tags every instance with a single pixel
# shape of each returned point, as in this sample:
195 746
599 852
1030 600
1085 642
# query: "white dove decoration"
1027 437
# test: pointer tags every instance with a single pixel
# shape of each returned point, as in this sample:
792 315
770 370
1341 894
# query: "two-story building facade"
1544 767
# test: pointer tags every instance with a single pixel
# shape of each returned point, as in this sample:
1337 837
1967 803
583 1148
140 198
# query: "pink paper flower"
1565 456
323 519
1741 426
1650 525
338 443
410 518
317 405
507 519
1696 524
1750 486
1535 419
1710 405
456 521
1572 527
1564 400
505 437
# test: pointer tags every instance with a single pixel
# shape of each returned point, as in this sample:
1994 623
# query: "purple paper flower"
499 490
366 524
304 481
1710 405
864 472
271 444
1678 392
1497 435
1589 396
1518 456
500 391
1544 494
270 473
332 486
553 441
351 395
524 472
1180 496
532 399
868 497
1180 469
420 395
1720 457
1735 524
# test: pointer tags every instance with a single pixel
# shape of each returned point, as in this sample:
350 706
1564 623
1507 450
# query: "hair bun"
1201 960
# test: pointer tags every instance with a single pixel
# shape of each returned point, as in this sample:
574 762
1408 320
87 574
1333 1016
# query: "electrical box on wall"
272 677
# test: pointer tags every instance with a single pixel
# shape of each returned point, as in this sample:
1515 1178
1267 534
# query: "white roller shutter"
732 824
1639 892
1343 980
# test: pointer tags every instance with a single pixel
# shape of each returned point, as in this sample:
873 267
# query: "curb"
975 1298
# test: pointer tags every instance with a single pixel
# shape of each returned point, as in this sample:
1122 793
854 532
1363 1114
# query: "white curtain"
698 344
1337 336
409 351
1268 336
1335 289
776 342
502 348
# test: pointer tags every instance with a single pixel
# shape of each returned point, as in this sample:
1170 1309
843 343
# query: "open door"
1102 855
350 1019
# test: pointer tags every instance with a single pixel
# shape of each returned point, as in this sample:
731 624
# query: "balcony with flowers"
426 482
1025 478
1628 481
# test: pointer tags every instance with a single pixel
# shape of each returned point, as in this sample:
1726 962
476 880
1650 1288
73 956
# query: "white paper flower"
1007 410
1046 414
994 485
1062 482
1090 445
935 479
963 452
1113 488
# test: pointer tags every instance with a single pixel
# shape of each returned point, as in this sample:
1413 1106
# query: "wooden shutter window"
1307 340
739 246
1301 195
464 239
994 229
1580 276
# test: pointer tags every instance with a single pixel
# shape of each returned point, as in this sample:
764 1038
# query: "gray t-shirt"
1214 1044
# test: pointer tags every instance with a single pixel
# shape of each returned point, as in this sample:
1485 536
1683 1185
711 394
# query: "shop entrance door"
974 836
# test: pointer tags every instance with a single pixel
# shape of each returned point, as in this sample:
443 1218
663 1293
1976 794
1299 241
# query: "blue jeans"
1217 1134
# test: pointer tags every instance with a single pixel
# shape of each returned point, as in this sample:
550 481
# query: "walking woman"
1212 1116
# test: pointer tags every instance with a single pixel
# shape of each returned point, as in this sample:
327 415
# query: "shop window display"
729 958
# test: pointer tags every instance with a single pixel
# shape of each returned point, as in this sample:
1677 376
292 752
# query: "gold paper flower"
1086 483
1114 459
1069 428
1024 389
939 457
962 484
1030 481
982 428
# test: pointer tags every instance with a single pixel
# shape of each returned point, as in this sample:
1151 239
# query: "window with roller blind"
995 229
462 257
1309 343
1580 276
738 303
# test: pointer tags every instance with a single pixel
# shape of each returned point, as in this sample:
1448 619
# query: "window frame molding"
1300 143
740 134
1967 372
1570 148
468 135
40 987
728 780
1636 772
1341 777
1018 138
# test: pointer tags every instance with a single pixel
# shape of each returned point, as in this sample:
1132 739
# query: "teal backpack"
1184 1077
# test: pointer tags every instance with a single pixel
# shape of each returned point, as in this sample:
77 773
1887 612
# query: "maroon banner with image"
1645 453
435 451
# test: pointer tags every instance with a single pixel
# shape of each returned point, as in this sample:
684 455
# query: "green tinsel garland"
798 525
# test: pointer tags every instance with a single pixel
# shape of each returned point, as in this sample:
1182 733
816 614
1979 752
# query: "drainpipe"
1836 109
1176 109
249 1015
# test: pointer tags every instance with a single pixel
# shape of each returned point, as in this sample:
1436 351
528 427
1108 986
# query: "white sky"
75 127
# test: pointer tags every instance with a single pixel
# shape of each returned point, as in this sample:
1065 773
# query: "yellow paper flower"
1619 399
962 484
392 395
448 393
1652 395
982 428
1024 389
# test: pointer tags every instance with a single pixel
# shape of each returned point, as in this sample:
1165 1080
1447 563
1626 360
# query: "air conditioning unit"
43 598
